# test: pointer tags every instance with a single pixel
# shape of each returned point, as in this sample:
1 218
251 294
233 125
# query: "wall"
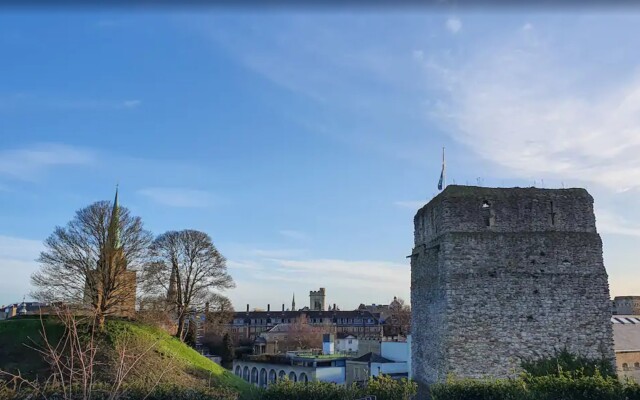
331 374
500 274
632 361
388 368
368 346
395 351
627 305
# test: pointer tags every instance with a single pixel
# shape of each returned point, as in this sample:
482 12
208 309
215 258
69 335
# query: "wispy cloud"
17 263
179 197
535 118
31 162
612 223
453 25
349 282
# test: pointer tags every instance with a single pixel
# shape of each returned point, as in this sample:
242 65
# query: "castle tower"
498 275
316 300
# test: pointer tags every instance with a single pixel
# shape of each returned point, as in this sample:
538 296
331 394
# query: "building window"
637 365
625 366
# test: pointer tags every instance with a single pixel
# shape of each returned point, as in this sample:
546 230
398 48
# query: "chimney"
268 307
334 306
247 308
282 307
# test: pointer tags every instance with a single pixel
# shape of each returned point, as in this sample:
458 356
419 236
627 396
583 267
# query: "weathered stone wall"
499 275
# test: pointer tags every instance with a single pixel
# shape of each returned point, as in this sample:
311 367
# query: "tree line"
86 263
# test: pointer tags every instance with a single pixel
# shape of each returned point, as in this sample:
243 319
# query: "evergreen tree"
227 349
190 337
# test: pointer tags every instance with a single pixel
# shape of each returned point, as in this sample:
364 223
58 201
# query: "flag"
441 182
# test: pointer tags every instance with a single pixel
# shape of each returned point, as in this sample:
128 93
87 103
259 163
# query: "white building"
346 343
393 361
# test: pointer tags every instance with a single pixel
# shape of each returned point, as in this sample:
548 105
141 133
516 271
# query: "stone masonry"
504 274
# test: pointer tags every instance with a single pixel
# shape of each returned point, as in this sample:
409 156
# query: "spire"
114 223
293 303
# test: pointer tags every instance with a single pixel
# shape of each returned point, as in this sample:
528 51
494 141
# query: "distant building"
249 325
264 370
393 360
316 300
626 343
346 343
286 337
626 305
24 308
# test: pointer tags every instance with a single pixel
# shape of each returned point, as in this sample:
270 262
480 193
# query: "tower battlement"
481 209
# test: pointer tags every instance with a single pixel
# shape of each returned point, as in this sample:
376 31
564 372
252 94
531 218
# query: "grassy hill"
159 356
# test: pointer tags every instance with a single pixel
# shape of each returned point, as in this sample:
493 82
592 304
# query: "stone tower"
498 275
316 300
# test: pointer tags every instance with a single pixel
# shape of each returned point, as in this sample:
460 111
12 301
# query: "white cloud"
29 163
17 263
611 223
348 283
519 106
527 27
179 197
454 25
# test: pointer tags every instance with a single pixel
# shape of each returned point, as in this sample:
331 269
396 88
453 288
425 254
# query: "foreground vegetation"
134 361
126 359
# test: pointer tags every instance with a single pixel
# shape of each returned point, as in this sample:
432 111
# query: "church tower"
111 272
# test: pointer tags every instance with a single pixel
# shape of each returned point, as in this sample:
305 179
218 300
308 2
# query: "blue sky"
304 142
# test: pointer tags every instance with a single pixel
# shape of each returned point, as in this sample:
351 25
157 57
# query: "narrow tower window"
553 215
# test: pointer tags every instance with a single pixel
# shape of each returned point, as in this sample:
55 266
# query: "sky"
304 141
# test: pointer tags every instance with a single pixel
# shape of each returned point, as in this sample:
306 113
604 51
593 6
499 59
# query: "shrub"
564 361
384 388
561 386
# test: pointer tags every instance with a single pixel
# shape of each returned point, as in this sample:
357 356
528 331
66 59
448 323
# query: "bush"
384 388
101 392
560 386
564 361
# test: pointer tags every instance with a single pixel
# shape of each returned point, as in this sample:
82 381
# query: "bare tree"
188 268
91 260
301 335
399 319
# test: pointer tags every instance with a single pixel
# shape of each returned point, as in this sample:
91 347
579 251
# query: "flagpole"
444 171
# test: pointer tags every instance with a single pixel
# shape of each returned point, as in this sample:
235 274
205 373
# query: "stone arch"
273 376
254 375
263 378
245 374
238 370
293 377
303 378
282 375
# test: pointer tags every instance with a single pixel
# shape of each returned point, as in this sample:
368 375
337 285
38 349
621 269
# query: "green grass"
168 346
188 368
16 335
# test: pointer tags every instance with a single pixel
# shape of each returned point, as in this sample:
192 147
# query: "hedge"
562 386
